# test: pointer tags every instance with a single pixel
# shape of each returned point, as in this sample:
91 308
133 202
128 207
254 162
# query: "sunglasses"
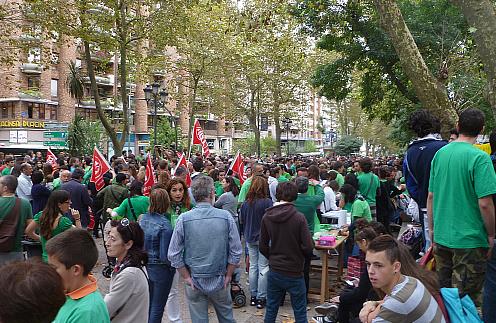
125 223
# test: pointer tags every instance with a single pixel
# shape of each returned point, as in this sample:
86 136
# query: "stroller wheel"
107 271
239 300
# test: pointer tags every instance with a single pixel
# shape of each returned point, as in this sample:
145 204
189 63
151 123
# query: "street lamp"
159 96
287 122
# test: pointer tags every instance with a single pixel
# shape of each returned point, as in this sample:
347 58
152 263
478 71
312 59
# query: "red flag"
238 166
51 158
149 176
182 162
199 138
99 168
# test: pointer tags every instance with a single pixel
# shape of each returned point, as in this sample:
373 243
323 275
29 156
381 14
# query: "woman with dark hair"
39 192
179 198
158 233
134 206
228 200
52 221
179 203
358 207
252 210
128 299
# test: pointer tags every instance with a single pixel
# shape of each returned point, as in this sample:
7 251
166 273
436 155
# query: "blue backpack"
460 310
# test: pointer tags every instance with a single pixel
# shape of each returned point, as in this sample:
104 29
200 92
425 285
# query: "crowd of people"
198 233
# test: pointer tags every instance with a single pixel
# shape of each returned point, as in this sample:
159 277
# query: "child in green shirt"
73 254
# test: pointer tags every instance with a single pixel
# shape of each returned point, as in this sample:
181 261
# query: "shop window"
34 82
7 110
42 111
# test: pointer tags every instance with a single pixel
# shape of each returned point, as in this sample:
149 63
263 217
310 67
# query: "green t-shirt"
57 183
87 175
368 183
283 178
237 182
174 212
90 308
460 175
307 205
64 224
7 171
219 190
140 205
244 190
339 178
361 209
6 205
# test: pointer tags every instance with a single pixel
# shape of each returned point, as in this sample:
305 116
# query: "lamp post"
287 122
159 96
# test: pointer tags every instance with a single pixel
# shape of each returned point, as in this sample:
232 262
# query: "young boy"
73 254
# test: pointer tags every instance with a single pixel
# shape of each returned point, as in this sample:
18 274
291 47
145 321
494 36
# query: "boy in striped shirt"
407 299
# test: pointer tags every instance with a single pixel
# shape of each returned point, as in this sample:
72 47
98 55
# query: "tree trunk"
252 118
277 123
123 73
101 114
481 15
430 92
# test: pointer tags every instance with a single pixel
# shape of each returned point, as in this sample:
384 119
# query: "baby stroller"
109 268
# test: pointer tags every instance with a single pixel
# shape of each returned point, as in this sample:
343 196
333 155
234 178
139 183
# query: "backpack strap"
132 208
409 170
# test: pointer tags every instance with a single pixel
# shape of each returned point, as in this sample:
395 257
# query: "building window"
34 55
54 87
34 83
42 111
7 110
88 114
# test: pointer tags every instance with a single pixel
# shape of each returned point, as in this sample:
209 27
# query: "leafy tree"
310 146
166 134
347 145
83 135
74 82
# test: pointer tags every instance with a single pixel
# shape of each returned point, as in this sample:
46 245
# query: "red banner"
51 158
182 162
149 176
238 167
99 168
199 138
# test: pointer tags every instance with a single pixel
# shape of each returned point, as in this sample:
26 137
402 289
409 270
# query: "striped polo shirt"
410 301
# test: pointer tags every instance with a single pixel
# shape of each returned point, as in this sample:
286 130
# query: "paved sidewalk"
248 314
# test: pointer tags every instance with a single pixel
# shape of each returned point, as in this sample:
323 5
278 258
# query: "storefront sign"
23 123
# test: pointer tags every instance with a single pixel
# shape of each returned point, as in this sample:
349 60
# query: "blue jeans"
258 264
160 282
198 305
277 285
489 295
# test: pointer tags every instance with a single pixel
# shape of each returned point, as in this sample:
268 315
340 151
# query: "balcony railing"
29 93
100 80
31 68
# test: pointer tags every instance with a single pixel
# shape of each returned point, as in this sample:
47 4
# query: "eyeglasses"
66 202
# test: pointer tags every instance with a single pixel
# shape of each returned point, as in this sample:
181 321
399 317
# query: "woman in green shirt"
358 208
215 174
179 203
51 221
135 205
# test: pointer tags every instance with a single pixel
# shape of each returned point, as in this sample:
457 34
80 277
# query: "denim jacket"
158 233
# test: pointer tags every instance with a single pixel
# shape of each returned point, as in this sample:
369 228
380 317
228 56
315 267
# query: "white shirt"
329 203
24 187
272 188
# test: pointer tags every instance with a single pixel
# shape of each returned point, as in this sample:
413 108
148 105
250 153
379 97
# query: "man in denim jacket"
205 248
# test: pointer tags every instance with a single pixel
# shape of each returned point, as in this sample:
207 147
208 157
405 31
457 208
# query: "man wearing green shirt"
73 254
460 206
368 183
338 168
307 205
9 165
8 200
64 177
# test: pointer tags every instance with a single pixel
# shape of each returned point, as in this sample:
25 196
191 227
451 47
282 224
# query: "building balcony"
29 93
100 80
32 68
29 38
159 73
90 103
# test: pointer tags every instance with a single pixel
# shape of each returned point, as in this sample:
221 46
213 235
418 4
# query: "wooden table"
339 247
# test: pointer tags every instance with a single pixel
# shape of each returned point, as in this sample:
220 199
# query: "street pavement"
248 314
